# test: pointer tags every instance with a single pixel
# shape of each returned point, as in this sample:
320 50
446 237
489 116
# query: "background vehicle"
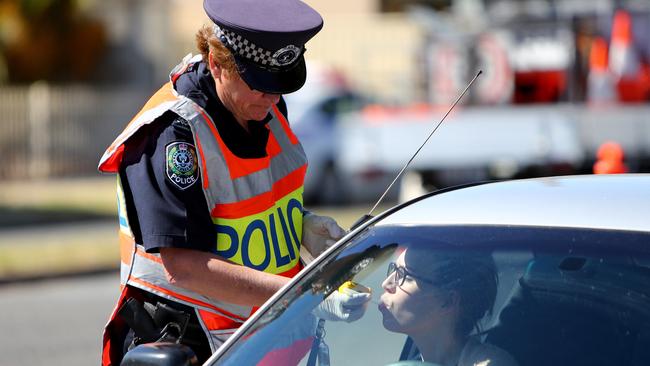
560 79
573 266
314 112
473 144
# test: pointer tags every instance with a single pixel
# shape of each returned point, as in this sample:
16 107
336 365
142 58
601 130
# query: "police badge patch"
182 164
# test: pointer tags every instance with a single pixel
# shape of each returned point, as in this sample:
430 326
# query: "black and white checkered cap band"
272 60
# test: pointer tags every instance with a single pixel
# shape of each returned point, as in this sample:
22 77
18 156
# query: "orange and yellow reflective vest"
255 206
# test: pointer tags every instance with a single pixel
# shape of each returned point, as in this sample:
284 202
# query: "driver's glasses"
401 273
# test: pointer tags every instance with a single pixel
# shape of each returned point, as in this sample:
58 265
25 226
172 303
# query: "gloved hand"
346 306
319 233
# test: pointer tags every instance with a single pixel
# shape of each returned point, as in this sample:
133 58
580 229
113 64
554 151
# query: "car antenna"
368 216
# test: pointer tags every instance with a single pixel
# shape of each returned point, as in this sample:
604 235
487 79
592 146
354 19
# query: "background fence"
54 131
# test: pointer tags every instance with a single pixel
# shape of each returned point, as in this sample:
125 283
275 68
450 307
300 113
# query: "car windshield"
464 295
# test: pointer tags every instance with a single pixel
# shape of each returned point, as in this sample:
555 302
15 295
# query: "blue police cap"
267 39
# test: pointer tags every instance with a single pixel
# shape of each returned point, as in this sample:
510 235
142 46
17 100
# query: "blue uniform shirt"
162 213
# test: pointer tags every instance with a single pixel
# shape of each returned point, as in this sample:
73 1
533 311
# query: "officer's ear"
215 68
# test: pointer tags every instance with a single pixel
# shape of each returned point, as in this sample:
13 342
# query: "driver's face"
410 308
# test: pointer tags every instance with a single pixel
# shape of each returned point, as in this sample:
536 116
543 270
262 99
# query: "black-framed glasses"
402 272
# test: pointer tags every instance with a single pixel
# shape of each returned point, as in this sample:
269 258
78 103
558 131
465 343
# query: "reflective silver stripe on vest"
216 337
125 271
145 118
222 189
220 336
125 229
187 61
153 273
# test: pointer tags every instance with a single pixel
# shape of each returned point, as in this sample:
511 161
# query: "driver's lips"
388 319
383 306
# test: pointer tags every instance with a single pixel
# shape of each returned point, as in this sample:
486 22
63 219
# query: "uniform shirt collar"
197 84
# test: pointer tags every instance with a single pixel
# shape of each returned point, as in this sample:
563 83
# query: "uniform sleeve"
161 180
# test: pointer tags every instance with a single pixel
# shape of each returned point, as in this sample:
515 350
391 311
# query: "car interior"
575 311
566 297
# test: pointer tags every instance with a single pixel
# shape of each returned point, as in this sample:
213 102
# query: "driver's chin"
389 322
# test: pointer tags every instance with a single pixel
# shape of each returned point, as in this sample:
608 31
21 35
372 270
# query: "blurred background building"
73 72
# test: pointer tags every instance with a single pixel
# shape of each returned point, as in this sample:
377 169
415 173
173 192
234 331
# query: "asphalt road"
55 322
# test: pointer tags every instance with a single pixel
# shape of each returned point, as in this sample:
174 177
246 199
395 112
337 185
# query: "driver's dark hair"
471 275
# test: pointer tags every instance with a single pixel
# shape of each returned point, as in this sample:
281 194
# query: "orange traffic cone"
624 61
600 83
610 159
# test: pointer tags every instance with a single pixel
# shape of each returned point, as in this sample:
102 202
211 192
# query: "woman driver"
438 299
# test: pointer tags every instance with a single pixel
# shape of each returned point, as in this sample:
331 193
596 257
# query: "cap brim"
273 82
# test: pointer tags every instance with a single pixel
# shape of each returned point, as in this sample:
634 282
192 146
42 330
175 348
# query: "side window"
418 290
341 104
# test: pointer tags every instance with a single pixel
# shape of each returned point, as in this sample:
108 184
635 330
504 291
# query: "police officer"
210 182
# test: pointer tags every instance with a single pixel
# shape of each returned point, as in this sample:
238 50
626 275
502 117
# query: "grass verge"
52 252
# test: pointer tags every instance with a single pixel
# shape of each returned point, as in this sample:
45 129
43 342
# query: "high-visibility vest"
255 205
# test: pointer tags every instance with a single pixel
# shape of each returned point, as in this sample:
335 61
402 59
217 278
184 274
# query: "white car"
545 271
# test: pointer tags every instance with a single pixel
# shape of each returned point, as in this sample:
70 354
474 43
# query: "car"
541 271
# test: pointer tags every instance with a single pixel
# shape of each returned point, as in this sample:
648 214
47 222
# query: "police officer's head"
262 40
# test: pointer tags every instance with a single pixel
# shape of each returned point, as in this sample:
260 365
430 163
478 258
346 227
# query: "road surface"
55 322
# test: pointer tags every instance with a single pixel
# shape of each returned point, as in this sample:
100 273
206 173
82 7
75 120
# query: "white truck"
478 143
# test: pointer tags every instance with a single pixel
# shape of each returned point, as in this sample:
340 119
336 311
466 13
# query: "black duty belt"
160 322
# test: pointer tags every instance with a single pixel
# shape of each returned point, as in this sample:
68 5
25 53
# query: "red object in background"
610 159
632 90
600 81
633 77
539 86
598 58
644 79
609 167
623 58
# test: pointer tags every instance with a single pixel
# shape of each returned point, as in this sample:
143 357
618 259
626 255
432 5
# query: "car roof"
619 202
